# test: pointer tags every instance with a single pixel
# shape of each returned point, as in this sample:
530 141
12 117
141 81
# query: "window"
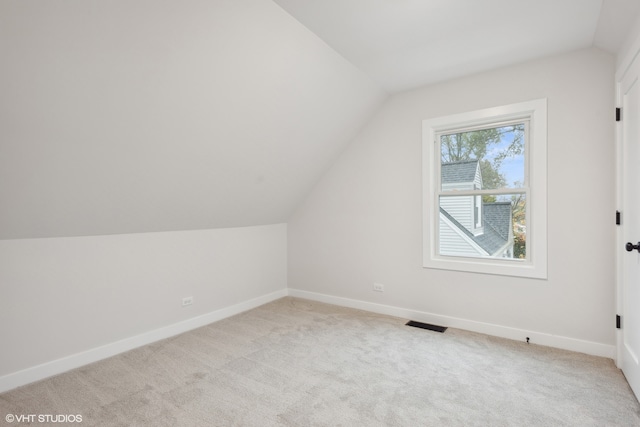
484 195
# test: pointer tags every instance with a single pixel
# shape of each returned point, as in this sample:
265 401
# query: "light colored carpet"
300 363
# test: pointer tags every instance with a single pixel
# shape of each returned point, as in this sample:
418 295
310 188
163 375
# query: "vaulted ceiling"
126 116
403 44
129 116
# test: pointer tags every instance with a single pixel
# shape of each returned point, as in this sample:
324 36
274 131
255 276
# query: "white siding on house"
477 228
462 209
459 207
452 243
478 180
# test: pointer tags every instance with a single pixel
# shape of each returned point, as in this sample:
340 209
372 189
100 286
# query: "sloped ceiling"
128 116
403 44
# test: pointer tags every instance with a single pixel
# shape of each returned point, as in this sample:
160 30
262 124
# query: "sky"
512 168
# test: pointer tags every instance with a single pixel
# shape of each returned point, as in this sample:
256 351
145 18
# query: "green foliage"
468 145
519 209
476 144
491 178
520 245
489 199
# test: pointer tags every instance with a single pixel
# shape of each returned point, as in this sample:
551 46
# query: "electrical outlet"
187 301
378 287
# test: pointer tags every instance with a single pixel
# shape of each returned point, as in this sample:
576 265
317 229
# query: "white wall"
362 222
130 116
65 296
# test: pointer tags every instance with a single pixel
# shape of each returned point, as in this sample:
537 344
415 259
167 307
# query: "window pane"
486 158
489 226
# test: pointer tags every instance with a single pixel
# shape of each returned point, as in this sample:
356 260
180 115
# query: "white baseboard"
55 367
539 338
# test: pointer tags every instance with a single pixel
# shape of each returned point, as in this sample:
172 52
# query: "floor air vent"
426 326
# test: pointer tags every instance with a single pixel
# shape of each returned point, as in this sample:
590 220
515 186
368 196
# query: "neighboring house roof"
497 215
490 241
458 172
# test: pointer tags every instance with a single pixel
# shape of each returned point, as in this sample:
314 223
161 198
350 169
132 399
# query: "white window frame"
535 266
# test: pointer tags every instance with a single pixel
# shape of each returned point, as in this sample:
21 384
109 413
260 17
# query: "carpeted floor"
300 363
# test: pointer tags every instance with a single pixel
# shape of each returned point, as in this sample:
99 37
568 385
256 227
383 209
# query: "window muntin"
523 190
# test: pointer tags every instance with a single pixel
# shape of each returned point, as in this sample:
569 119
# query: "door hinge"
618 321
618 114
617 217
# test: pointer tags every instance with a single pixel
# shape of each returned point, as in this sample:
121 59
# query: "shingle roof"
463 171
497 220
498 216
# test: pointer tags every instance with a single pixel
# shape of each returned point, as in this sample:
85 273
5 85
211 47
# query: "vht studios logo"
43 418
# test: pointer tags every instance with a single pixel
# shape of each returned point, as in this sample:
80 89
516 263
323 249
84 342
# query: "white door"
630 254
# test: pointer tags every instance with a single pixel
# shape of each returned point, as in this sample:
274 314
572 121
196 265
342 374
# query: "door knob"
630 246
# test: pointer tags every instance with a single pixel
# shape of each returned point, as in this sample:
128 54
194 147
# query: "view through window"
482 191
485 190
